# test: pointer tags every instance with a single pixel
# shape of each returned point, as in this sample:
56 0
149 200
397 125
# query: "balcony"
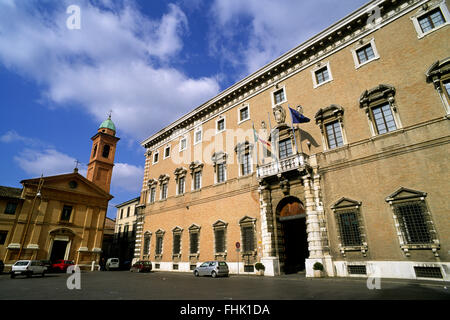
294 162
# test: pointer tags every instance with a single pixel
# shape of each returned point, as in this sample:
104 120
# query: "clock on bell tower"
101 161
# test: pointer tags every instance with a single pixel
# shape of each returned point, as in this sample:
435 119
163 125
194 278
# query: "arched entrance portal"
60 244
294 248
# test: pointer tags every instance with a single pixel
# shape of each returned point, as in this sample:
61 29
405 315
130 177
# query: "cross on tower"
76 164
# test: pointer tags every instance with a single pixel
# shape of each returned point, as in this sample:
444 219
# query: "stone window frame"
159 234
438 73
163 180
319 66
72 213
326 116
220 225
155 154
194 229
376 97
170 150
405 195
246 222
243 106
219 158
361 44
11 207
242 149
224 119
426 8
196 130
180 147
179 174
147 235
196 167
177 231
276 89
343 205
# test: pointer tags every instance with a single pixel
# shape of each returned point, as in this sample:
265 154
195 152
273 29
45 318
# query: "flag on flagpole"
297 117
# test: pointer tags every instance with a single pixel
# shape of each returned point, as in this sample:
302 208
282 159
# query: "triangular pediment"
345 203
247 219
194 227
71 182
405 193
219 223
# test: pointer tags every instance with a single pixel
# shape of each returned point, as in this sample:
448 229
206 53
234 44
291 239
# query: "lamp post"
30 214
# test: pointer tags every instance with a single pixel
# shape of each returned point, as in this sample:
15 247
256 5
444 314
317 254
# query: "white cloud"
127 177
118 60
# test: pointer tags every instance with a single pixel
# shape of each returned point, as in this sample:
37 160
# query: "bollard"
93 266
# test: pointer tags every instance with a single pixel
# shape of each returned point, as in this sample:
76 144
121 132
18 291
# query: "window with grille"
164 191
220 172
219 236
357 269
181 182
246 167
334 135
197 180
365 54
431 20
279 96
248 238
11 208
193 239
285 148
383 119
159 243
349 228
428 272
147 244
176 243
412 222
447 87
3 235
66 213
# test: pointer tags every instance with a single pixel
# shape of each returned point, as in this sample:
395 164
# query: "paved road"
124 285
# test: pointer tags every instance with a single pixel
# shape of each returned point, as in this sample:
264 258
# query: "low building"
125 230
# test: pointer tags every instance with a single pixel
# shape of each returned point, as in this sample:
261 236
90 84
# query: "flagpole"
256 145
293 132
274 143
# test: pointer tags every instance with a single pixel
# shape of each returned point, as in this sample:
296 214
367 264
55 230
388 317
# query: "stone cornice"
313 50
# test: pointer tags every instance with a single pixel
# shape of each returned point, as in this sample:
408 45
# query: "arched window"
106 150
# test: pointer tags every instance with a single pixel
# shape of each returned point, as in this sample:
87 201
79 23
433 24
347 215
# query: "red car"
62 265
142 266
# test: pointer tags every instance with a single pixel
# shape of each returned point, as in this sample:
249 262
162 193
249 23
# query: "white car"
112 263
28 268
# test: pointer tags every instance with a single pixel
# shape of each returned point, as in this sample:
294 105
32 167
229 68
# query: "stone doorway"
294 244
58 250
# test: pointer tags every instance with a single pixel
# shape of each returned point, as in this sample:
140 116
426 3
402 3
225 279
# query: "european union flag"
297 117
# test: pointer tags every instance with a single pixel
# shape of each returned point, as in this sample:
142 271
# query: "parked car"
212 268
28 268
48 264
62 265
142 266
126 265
2 266
112 264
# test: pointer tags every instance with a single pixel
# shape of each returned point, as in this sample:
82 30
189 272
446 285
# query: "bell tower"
101 161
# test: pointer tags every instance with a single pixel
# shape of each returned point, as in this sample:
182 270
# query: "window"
220 125
447 87
155 157
285 148
94 152
413 221
125 231
244 113
197 180
381 109
159 244
183 144
365 54
220 173
121 213
321 74
220 230
3 235
384 119
334 135
439 75
219 160
193 240
244 156
66 213
146 243
350 228
198 135
248 239
167 152
128 212
164 188
181 182
11 207
430 17
246 166
176 244
152 194
106 150
279 96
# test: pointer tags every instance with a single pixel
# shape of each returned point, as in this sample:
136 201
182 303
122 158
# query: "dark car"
62 265
141 266
2 266
48 264
212 268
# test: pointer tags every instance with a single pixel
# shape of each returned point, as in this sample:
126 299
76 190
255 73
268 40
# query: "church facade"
361 188
62 216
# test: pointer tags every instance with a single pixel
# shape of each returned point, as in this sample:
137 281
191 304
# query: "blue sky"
149 62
